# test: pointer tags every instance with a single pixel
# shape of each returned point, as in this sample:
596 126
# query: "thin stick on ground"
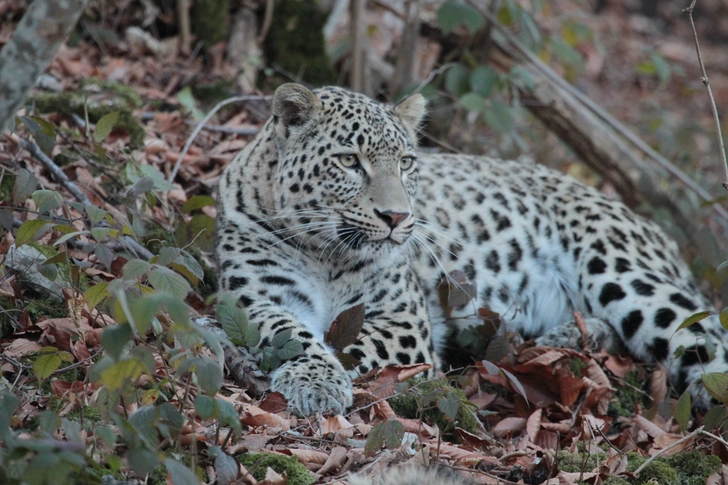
668 448
706 83
202 124
50 165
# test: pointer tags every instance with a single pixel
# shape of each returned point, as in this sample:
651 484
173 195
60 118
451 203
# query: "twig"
668 448
199 127
267 21
148 115
715 437
49 164
618 126
706 83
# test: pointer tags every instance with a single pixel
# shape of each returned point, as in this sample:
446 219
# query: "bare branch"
706 83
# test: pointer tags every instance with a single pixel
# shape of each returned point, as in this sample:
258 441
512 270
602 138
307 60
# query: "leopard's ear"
294 105
411 110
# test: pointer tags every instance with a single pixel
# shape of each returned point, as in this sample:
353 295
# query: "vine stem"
704 78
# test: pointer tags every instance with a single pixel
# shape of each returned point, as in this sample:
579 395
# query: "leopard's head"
347 169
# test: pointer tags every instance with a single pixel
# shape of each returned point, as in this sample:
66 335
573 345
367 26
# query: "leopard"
333 205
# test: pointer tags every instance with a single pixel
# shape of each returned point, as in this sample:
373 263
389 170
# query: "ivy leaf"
344 330
115 338
694 318
143 461
105 126
454 13
682 410
456 80
716 383
227 415
25 184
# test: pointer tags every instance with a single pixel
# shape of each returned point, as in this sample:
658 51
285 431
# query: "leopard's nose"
392 218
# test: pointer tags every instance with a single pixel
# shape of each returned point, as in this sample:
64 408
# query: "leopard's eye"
349 160
406 163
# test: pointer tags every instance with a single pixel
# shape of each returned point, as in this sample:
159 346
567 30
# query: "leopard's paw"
314 386
598 332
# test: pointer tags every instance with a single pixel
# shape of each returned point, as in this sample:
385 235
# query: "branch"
706 83
31 48
54 169
202 125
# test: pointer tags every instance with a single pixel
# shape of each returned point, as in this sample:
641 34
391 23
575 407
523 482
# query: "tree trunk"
31 48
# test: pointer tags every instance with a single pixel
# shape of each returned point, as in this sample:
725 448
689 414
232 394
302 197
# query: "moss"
295 41
628 396
689 468
95 106
258 463
36 307
420 401
6 185
577 366
209 21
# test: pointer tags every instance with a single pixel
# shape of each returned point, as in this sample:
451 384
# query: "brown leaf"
455 291
254 416
334 461
533 425
57 332
345 328
274 402
20 348
308 456
62 388
509 426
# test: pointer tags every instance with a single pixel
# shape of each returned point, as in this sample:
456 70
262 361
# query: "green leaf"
280 339
344 330
160 181
694 318
456 80
454 13
226 468
197 202
662 68
42 131
167 281
29 230
292 348
483 80
389 433
449 406
204 406
186 99
106 434
143 461
227 415
724 318
566 54
716 383
232 318
115 376
46 364
209 376
682 410
499 116
95 214
25 184
202 230
46 200
134 268
252 336
105 126
473 102
115 338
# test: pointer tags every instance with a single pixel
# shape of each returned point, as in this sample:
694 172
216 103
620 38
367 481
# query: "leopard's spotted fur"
331 206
